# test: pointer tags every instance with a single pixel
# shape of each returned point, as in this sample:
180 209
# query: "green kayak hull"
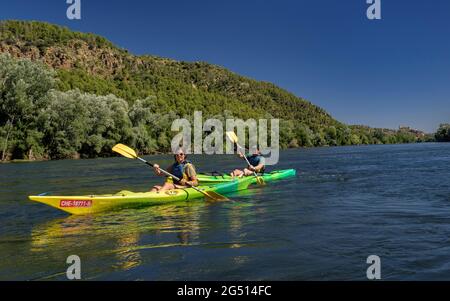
267 177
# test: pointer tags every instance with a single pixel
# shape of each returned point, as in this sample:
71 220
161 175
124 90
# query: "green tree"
24 86
80 124
443 133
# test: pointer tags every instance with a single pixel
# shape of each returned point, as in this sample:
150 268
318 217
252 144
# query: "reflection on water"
124 234
122 230
126 257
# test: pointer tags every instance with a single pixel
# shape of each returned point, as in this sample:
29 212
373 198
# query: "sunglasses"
180 155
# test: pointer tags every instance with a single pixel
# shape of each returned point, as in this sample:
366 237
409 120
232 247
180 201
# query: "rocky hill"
93 64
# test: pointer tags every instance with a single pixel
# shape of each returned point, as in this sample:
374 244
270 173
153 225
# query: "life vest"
255 160
178 170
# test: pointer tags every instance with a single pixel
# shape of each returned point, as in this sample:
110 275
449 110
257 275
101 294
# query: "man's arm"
258 167
158 170
192 175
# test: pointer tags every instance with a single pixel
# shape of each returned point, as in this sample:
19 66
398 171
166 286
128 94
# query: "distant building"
416 132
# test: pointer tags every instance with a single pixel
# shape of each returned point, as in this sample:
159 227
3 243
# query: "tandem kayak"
267 177
125 199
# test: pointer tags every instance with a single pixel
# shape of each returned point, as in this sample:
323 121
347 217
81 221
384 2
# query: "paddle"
233 138
130 153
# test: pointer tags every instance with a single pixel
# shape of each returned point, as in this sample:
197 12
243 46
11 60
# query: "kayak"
267 177
222 184
125 199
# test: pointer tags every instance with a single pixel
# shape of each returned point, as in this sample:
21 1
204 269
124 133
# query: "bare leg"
237 173
180 186
248 172
167 186
156 188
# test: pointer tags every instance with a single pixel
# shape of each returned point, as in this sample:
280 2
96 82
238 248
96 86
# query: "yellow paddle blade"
232 136
260 181
213 196
125 151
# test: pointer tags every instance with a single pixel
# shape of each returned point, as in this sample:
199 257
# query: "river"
345 204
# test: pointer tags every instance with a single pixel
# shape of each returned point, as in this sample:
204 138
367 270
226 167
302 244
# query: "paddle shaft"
245 157
171 175
162 170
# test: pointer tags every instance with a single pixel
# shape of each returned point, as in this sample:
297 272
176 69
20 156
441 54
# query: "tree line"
38 121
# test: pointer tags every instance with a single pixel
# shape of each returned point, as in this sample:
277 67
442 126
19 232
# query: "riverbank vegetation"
37 121
65 94
443 133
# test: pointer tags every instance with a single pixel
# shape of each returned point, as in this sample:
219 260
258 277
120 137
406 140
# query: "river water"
345 204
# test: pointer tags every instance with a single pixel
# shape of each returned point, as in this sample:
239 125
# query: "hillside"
94 65
137 97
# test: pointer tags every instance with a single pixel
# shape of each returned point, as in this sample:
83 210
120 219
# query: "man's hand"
157 170
252 168
183 182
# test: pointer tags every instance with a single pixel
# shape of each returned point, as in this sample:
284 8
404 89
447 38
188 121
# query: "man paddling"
182 169
256 164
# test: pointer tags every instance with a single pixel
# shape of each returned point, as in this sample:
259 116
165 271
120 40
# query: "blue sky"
384 73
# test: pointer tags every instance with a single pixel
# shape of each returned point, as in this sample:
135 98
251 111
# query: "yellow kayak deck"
86 204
